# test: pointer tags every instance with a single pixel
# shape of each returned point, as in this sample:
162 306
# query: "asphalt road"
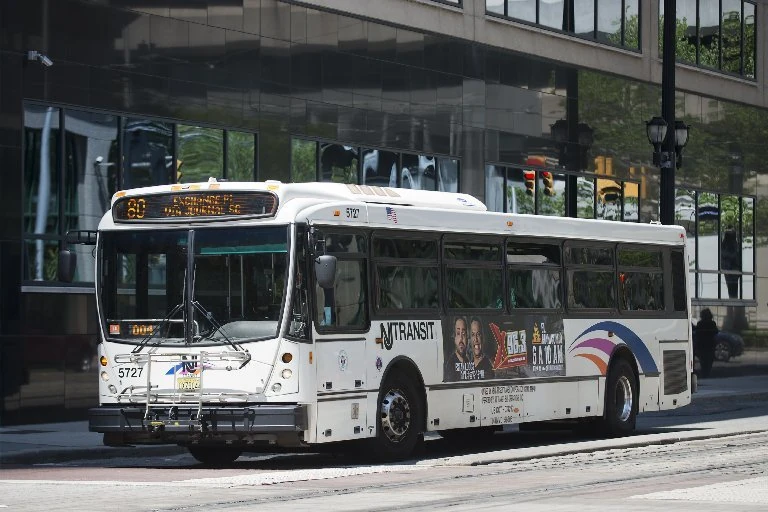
712 455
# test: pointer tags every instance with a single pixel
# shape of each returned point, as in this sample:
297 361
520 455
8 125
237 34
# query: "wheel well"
407 367
623 353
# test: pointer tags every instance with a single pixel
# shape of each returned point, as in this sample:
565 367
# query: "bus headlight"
286 374
112 389
276 387
104 376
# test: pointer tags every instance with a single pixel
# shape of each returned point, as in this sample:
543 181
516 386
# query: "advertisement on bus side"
497 347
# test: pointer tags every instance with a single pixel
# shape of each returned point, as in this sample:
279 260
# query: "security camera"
39 57
99 159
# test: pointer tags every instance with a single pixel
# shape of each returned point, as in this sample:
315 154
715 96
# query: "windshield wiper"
217 327
157 329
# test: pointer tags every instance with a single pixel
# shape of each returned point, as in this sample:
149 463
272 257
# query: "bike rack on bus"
134 394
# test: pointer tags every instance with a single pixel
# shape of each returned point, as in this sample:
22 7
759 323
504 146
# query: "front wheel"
400 419
621 399
215 455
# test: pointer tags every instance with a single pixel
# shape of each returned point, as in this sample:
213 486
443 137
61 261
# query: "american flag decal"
391 214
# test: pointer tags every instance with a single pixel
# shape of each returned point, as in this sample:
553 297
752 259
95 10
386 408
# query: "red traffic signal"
530 182
549 183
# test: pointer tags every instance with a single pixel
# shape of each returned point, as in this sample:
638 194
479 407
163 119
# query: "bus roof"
407 209
323 192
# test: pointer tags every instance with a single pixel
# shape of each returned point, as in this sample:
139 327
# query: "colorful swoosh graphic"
188 368
605 346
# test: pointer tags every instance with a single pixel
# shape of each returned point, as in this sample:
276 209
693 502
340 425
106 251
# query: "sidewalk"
58 442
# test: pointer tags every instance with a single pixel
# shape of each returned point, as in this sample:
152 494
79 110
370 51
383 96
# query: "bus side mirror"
67 262
325 271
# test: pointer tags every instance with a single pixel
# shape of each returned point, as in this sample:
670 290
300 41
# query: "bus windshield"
236 292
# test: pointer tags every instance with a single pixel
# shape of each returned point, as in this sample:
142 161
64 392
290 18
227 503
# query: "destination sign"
185 205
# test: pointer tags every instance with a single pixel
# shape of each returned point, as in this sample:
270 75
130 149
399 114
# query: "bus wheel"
400 419
621 399
214 455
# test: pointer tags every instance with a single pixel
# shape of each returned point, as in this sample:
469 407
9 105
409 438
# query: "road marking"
266 478
748 491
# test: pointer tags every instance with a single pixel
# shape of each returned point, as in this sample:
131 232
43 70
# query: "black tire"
621 400
400 419
215 455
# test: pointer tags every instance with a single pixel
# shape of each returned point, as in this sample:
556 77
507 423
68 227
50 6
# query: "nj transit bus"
250 316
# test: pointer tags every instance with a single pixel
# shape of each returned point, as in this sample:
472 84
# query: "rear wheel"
215 455
621 399
400 419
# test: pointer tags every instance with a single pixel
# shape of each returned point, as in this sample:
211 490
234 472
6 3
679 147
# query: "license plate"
188 383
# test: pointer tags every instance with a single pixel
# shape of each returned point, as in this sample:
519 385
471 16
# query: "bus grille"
675 372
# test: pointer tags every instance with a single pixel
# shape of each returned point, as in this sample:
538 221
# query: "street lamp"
656 130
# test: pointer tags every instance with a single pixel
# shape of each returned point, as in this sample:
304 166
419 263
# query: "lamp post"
667 144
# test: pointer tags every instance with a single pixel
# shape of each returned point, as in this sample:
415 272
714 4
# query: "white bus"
248 316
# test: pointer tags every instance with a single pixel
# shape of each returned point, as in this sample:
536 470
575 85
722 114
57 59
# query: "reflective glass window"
241 156
495 6
539 288
750 48
609 21
447 174
678 284
708 232
731 35
90 178
472 251
551 192
474 288
379 168
641 291
494 188
532 253
631 202
344 305
406 287
748 235
686 31
41 197
338 163
575 255
200 154
419 172
303 160
631 24
609 199
41 164
591 289
147 152
709 33
521 186
522 10
584 18
551 13
405 248
585 202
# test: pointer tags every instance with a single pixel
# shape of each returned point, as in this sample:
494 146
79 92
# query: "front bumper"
174 422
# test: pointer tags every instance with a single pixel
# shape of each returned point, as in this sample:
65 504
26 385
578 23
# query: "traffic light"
530 182
549 183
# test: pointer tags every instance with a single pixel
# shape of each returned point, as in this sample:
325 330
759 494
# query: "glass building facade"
542 111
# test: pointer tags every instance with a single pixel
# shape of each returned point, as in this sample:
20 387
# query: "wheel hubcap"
624 398
395 415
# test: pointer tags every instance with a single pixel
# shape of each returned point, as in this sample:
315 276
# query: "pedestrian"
704 337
